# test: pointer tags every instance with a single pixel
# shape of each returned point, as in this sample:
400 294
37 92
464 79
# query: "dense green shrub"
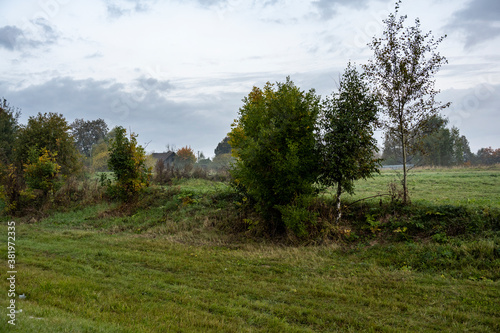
127 161
275 149
52 132
392 221
42 172
297 216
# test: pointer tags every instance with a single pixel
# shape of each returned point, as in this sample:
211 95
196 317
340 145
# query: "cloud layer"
175 71
479 21
143 109
38 33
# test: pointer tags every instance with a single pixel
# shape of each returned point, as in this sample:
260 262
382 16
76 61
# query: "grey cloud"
47 34
141 7
47 29
230 5
9 36
117 8
478 33
115 11
475 112
208 3
65 95
150 83
39 33
200 123
328 8
483 10
479 21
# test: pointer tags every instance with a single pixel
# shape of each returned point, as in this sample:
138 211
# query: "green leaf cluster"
274 145
8 130
48 131
42 172
36 158
128 162
87 133
347 144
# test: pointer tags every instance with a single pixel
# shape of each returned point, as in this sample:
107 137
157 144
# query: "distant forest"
440 146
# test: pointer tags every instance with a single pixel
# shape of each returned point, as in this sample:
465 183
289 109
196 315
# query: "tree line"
39 157
440 146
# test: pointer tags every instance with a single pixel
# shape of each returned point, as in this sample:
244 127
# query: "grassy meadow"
445 186
176 264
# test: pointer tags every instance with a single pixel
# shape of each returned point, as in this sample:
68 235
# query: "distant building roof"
164 156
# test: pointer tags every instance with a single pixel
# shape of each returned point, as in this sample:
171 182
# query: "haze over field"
175 71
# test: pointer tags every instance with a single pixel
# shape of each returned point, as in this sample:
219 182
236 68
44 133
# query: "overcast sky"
175 72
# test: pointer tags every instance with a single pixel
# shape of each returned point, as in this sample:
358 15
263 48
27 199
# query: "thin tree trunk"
405 170
404 147
339 212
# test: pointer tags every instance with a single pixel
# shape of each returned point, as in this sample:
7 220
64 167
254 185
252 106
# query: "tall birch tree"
401 73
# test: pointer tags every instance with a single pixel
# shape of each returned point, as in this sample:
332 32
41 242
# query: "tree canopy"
273 142
8 130
88 133
127 160
185 156
401 72
347 144
438 146
223 147
48 131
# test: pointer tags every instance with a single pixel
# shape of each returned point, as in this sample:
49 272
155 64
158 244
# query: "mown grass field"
454 186
169 268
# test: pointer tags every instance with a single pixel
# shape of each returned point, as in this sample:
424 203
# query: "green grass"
455 186
169 267
87 281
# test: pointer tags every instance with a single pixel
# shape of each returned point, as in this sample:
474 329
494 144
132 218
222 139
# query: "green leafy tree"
401 73
203 161
347 145
100 156
222 162
438 146
436 143
11 188
42 172
461 149
223 147
48 131
10 184
44 142
273 143
88 133
391 153
100 152
488 156
128 162
8 130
